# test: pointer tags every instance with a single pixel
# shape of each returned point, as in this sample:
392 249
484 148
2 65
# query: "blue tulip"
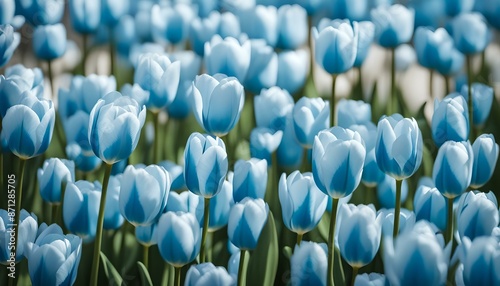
143 19
206 164
16 81
46 12
208 274
292 70
234 262
477 214
309 263
227 56
272 107
49 41
470 33
176 174
359 234
450 120
264 142
481 264
452 170
429 204
27 233
113 10
84 161
8 11
455 7
51 177
137 50
292 27
113 219
115 126
147 234
311 6
179 238
336 46
290 152
156 74
263 68
436 50
490 11
220 206
386 191
246 221
482 100
202 30
85 16
393 25
485 159
399 146
8 43
63 252
428 13
302 203
81 207
310 116
171 23
125 35
419 247
351 112
190 64
136 92
406 221
186 202
217 102
365 38
250 179
144 193
206 7
260 22
28 126
357 10
372 279
405 57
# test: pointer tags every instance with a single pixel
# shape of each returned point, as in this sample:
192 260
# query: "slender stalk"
431 82
331 241
84 52
354 274
311 52
240 267
145 257
305 160
59 127
299 238
360 82
392 100
449 222
177 276
1 158
156 140
472 134
332 101
112 51
447 84
19 196
54 208
206 214
397 209
100 223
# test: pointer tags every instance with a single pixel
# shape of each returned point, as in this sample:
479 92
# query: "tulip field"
260 142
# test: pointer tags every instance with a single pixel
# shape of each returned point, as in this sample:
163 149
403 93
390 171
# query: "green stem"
145 253
311 53
469 99
59 127
240 267
392 99
305 160
431 82
112 51
299 238
447 84
84 52
156 139
331 241
397 208
178 276
354 274
360 83
54 208
449 222
100 223
19 196
206 214
332 101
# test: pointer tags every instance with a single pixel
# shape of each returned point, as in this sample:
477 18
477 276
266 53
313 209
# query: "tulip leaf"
324 226
287 251
113 276
263 263
143 272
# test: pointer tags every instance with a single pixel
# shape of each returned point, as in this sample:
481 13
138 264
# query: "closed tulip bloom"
8 43
264 142
485 159
115 126
28 227
351 112
292 26
359 234
113 219
482 262
206 164
8 11
386 191
263 68
406 221
336 46
393 25
220 206
310 116
302 203
85 16
179 238
156 74
81 207
470 33
136 92
113 10
372 174
340 177
246 221
208 274
482 100
290 152
227 56
372 279
85 161
260 22
455 7
272 107
399 146
63 252
186 202
250 179
171 23
217 102
52 175
477 214
49 41
190 64
144 193
147 234
365 39
453 166
293 69
309 264
176 174
419 247
429 204
28 126
202 30
450 120
46 12
79 150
